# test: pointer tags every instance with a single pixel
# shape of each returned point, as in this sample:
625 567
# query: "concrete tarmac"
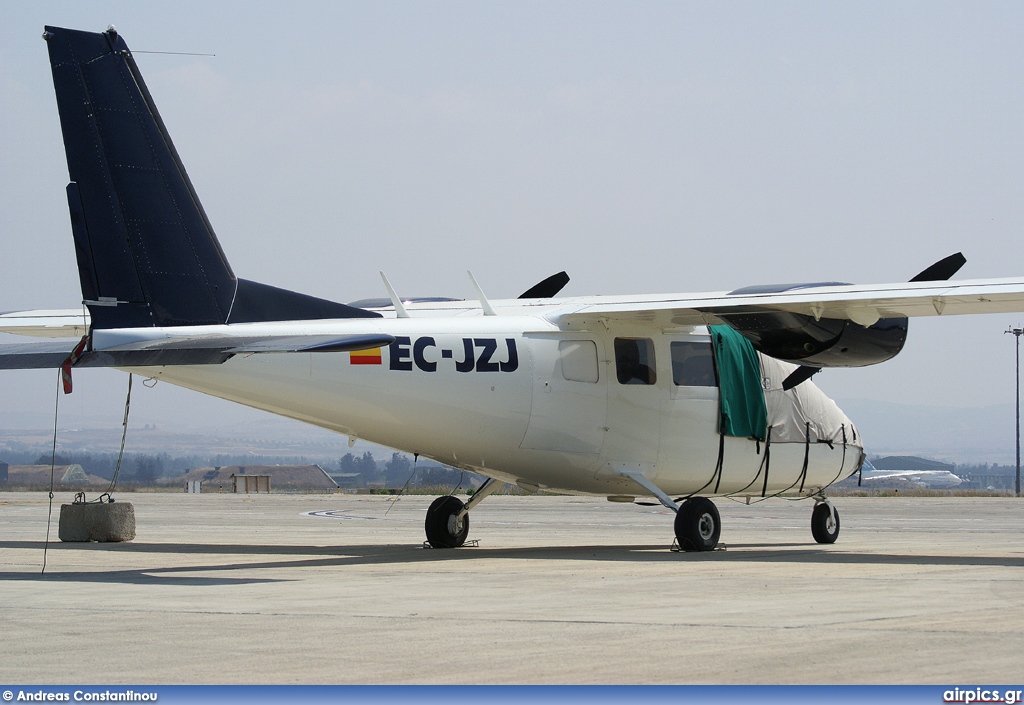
221 588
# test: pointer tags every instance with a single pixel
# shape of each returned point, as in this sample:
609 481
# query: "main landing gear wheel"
825 523
698 525
444 529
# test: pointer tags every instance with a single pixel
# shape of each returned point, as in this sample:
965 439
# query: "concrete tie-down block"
100 521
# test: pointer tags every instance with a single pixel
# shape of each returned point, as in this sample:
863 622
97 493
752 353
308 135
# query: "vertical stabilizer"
147 255
141 236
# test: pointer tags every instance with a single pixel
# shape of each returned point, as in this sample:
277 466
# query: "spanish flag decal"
365 357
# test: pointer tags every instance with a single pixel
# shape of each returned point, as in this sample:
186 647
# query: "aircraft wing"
863 304
204 350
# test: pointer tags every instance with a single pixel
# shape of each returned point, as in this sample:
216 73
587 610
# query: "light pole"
1016 333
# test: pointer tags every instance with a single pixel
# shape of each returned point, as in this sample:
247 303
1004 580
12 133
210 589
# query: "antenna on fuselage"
397 302
484 303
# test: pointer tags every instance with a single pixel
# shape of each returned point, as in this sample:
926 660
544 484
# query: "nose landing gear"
444 527
447 523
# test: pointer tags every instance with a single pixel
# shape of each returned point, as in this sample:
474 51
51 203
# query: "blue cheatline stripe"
534 695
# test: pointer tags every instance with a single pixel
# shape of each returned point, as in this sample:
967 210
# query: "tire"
822 527
698 525
439 523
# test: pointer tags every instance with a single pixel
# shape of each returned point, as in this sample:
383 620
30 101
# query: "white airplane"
678 397
932 479
929 479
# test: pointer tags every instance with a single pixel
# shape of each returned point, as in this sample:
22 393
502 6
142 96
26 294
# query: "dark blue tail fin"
147 254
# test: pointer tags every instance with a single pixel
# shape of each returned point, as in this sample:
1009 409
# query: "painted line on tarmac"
337 514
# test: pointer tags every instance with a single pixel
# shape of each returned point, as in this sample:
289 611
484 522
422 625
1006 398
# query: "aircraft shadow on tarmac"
292 557
146 576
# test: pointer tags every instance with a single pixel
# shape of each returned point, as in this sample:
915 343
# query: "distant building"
988 477
283 478
244 483
990 481
3 472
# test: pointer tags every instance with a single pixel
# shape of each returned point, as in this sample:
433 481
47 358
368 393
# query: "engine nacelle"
828 342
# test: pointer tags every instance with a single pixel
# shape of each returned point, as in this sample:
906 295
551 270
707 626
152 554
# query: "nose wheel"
698 525
445 528
447 523
825 522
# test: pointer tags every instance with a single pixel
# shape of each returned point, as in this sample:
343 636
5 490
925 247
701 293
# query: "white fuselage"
496 395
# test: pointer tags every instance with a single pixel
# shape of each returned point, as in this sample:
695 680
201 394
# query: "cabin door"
569 394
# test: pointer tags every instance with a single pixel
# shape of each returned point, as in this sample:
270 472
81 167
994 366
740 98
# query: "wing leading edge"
815 326
861 304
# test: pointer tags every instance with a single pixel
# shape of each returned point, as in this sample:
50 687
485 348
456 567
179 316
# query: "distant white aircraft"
931 479
678 397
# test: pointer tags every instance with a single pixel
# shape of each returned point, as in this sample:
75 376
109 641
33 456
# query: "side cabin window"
693 364
634 361
578 359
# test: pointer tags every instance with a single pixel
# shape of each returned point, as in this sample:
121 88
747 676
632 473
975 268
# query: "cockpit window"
634 361
693 364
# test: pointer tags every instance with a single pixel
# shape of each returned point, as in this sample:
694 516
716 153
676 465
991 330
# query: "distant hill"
909 462
65 477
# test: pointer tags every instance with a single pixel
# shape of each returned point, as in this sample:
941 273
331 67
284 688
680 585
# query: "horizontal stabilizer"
50 323
35 356
210 350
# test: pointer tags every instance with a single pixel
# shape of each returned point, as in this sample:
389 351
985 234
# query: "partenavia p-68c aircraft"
679 397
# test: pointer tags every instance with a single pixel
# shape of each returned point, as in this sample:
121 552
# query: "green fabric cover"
741 397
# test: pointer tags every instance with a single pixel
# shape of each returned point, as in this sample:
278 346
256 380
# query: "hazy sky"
643 147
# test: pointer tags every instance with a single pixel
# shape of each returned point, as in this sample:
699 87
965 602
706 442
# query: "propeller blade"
942 270
547 288
799 375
